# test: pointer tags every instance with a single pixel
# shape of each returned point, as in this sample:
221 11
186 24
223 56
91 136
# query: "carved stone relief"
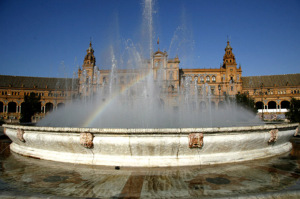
86 140
273 136
20 135
195 140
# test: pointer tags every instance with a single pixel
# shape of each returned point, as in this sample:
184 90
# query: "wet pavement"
277 177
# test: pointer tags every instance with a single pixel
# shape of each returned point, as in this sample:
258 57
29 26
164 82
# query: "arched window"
271 105
60 105
49 107
207 78
12 107
171 75
1 107
201 79
214 78
285 104
259 105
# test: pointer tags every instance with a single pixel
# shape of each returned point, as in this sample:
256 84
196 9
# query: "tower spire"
229 58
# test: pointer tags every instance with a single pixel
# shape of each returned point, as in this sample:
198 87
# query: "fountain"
139 125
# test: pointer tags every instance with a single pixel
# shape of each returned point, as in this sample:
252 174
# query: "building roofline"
272 75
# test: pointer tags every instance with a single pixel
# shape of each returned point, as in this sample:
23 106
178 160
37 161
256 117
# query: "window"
171 75
201 79
158 63
207 78
122 79
214 78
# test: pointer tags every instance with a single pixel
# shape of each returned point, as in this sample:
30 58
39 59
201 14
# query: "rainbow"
101 107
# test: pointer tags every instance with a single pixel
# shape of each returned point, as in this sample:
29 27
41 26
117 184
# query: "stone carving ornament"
297 131
20 135
195 140
273 136
86 140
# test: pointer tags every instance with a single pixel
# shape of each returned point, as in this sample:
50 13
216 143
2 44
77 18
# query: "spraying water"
141 99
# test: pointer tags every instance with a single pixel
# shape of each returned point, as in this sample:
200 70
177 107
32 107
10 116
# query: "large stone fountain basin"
151 147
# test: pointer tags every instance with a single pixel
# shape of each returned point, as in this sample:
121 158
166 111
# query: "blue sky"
50 38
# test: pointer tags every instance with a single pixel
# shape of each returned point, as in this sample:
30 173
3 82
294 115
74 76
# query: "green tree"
30 106
245 102
294 111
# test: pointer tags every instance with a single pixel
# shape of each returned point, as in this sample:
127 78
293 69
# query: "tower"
228 58
89 62
86 74
230 75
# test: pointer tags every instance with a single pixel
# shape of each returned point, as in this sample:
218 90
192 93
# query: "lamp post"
219 88
262 101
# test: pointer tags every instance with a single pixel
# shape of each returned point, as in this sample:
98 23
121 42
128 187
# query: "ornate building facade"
272 94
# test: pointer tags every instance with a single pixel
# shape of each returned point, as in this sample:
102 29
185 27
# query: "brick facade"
274 92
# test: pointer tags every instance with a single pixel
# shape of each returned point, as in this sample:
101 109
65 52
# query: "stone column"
278 106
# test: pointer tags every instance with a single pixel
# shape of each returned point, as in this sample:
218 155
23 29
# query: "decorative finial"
91 38
157 42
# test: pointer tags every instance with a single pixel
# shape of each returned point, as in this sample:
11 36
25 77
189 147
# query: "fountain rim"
209 130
